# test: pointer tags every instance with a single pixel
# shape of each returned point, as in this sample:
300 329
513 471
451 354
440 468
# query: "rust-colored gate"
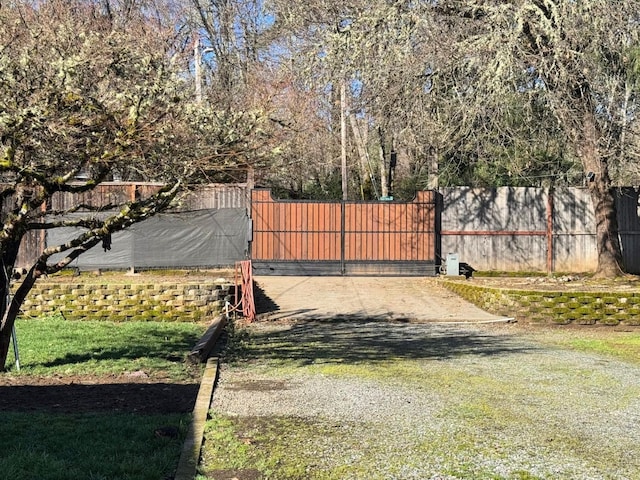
343 238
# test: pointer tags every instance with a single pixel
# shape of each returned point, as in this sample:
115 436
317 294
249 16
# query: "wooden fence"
200 198
533 229
504 229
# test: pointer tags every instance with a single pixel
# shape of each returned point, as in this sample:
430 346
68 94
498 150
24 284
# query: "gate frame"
342 236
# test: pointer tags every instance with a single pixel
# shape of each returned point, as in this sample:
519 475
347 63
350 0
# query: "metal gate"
343 238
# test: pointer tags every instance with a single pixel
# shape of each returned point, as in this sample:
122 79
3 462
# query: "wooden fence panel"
520 229
294 231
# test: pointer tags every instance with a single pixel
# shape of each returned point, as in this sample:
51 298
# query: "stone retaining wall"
128 302
581 308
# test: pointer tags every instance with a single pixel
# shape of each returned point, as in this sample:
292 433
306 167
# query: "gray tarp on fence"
202 238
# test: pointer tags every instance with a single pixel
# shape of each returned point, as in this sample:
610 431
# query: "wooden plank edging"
190 455
202 349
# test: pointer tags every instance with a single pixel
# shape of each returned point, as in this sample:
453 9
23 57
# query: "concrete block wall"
580 308
128 302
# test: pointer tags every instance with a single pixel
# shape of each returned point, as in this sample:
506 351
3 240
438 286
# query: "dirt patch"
77 395
95 394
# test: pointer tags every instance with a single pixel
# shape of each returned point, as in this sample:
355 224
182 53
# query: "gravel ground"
386 400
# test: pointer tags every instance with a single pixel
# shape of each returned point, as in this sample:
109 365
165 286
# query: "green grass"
276 447
95 445
90 446
622 345
56 346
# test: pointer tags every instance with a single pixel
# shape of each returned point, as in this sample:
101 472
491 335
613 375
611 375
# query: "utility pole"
197 68
343 137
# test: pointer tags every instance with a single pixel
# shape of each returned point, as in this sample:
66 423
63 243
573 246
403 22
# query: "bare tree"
576 56
229 33
366 46
82 100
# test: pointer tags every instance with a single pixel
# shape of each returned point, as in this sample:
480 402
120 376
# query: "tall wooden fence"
504 229
533 229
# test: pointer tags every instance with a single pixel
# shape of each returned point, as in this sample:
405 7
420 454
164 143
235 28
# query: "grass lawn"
90 396
619 344
88 446
54 346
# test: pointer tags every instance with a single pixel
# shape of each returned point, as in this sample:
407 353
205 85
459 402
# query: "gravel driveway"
352 398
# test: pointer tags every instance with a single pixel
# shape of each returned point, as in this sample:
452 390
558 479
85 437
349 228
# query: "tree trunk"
6 327
11 313
6 321
610 261
361 148
433 169
384 185
343 140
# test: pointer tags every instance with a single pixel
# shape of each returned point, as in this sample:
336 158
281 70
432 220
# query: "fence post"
550 252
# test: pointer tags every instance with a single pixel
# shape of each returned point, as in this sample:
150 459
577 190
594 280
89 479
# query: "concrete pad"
383 298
